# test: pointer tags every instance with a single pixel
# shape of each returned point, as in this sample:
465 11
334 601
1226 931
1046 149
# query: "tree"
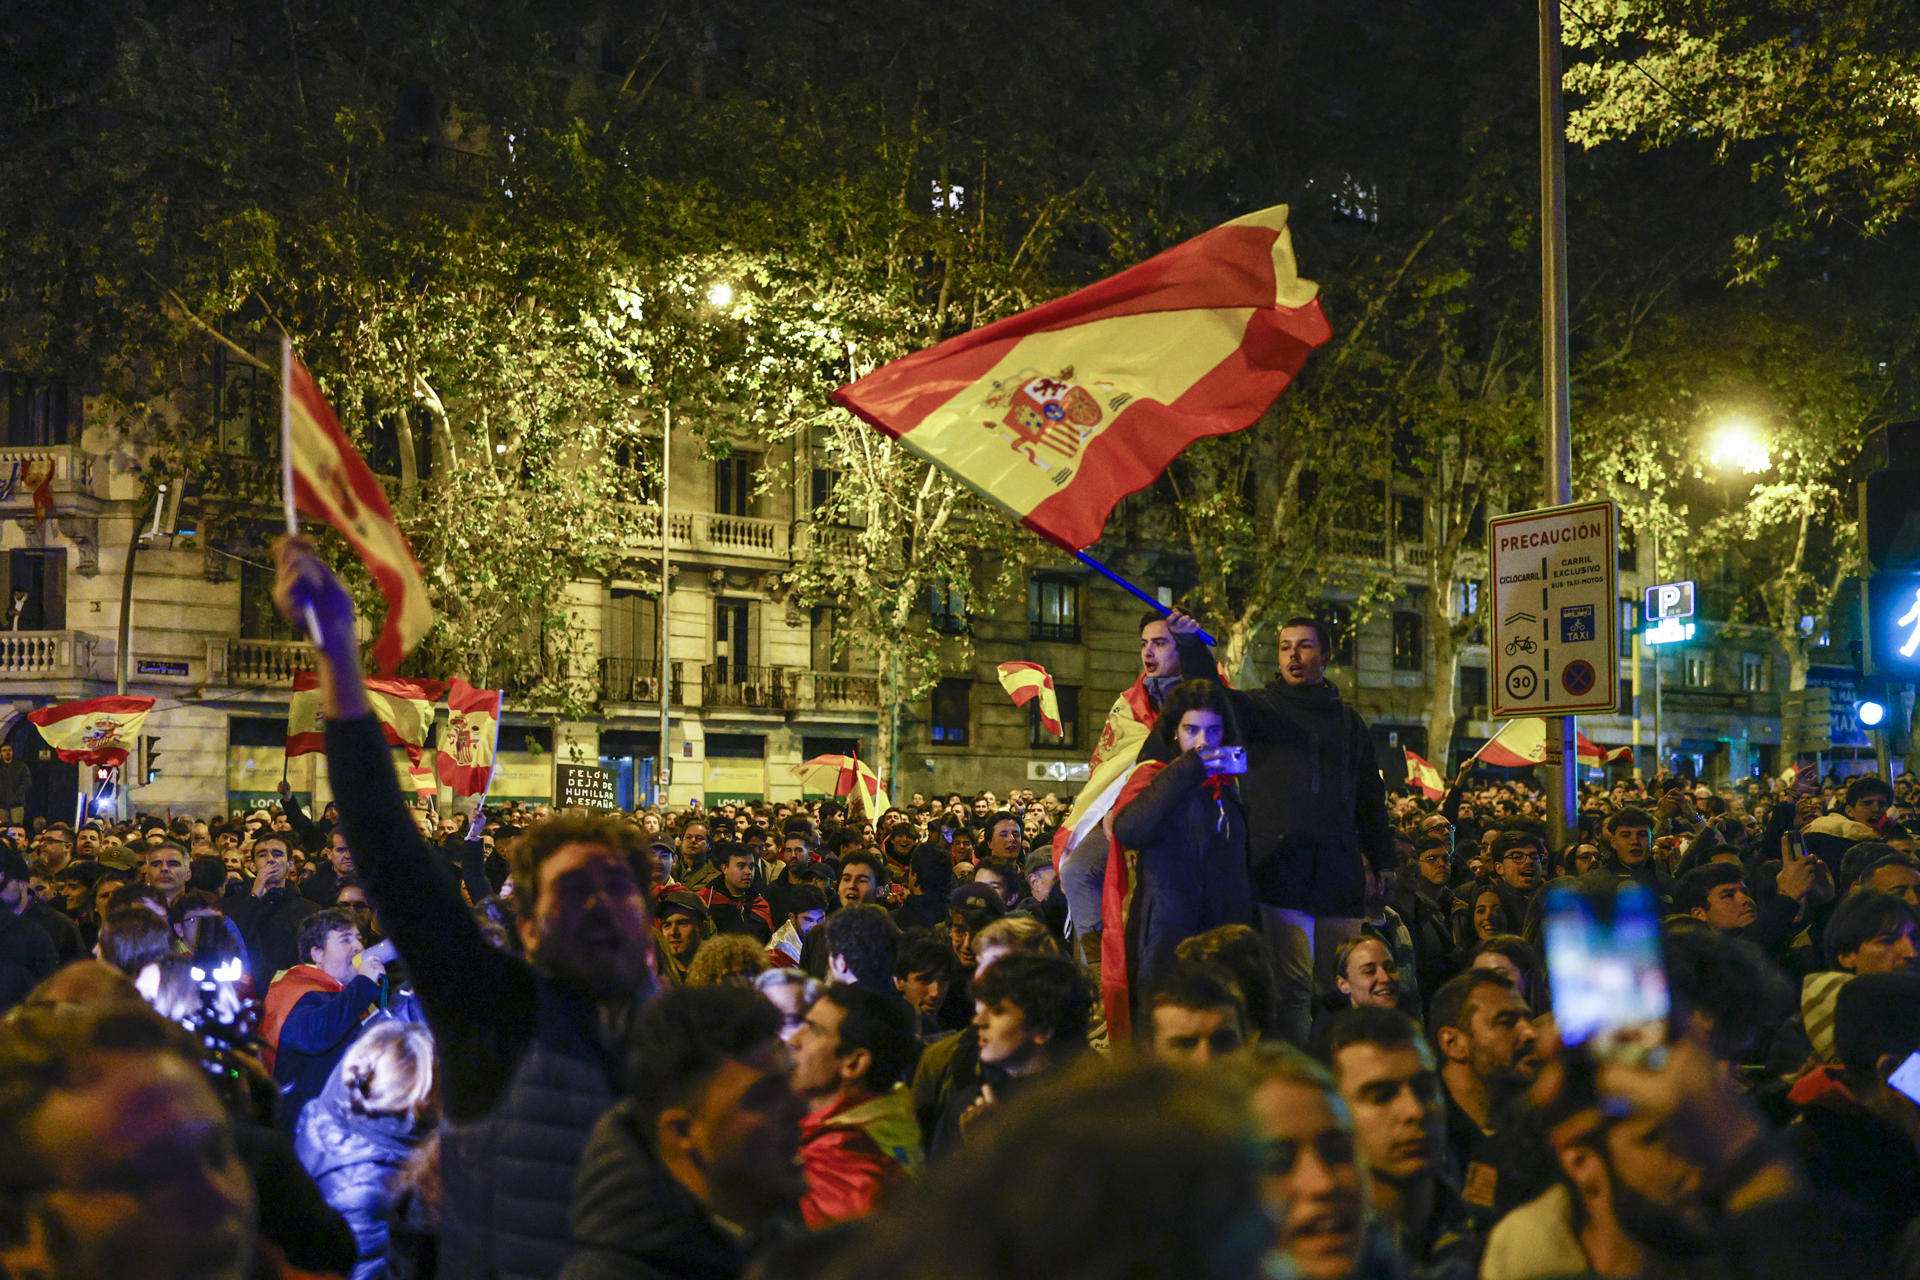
1778 542
1814 99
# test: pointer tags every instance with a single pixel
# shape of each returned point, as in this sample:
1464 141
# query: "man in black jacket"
1316 815
698 1167
530 1049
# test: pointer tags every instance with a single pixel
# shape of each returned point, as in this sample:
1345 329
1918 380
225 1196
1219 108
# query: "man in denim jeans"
1316 816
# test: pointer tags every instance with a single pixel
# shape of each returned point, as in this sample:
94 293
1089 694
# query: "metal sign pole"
1564 803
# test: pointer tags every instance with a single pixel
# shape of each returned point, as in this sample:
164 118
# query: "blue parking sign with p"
1576 623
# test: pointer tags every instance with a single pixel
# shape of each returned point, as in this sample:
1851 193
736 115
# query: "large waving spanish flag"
96 731
465 758
328 480
1059 412
403 707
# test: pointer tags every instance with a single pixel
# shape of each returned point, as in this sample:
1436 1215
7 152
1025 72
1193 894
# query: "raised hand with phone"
1182 815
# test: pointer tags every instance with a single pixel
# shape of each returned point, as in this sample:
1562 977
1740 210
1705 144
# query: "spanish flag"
97 731
403 707
1424 778
328 481
1057 413
1523 743
468 743
1519 744
1025 681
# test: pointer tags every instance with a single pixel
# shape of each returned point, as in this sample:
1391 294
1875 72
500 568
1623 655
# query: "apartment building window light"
1756 673
951 712
1696 669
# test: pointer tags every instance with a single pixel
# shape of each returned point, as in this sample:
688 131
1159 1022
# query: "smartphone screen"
1609 980
1906 1077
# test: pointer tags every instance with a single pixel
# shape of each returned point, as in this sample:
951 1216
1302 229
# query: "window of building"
630 625
952 712
1337 618
1477 525
947 607
1467 599
1409 641
256 731
1756 673
1410 521
259 619
245 406
1628 554
1629 623
1473 692
1037 736
1053 608
1696 669
826 480
735 640
1626 697
40 411
734 480
828 645
41 575
534 738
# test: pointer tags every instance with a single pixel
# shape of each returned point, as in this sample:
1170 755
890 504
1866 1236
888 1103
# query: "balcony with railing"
47 655
61 475
834 691
637 680
257 664
1361 543
727 687
749 536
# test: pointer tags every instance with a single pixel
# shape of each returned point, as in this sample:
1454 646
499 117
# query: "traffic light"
149 753
1893 624
1870 712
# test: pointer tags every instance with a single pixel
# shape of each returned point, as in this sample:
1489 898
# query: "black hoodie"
1316 804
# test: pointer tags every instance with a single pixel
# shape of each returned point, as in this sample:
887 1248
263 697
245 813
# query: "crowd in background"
781 1040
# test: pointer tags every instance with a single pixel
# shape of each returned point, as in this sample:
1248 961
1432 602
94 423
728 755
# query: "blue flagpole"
1130 589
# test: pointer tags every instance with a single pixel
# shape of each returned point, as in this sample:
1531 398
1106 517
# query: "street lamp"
720 294
1737 444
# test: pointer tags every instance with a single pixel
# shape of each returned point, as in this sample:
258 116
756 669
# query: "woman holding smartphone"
1181 829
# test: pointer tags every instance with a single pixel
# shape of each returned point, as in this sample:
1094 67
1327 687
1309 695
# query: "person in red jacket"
859 1137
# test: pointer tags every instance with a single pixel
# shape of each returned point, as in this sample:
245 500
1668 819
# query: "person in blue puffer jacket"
357 1137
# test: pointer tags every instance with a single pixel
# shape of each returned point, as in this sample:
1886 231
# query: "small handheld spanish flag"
1025 681
467 750
325 477
1424 778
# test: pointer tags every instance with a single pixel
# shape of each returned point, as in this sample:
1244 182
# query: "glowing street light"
720 294
1738 445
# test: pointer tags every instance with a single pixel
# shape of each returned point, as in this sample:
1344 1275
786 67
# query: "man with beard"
1489 1055
531 1047
1388 1077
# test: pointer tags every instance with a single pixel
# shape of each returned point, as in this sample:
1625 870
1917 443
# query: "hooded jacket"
854 1151
1316 804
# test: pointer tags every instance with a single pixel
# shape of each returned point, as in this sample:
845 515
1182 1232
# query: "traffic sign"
1555 647
1669 600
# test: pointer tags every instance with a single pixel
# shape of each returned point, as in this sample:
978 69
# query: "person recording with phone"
1182 816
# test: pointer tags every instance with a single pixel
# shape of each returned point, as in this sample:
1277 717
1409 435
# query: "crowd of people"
1251 1012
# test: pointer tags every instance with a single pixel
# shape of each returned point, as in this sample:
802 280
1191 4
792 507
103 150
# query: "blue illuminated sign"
1893 623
